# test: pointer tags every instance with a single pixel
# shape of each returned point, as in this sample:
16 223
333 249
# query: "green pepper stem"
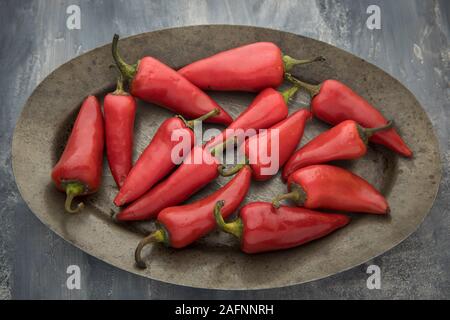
157 236
366 133
297 194
204 117
289 93
235 169
313 89
119 87
73 189
290 62
128 71
234 227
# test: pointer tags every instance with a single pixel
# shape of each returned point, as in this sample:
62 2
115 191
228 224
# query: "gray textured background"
412 45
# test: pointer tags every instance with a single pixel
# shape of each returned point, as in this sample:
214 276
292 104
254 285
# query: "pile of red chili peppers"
156 187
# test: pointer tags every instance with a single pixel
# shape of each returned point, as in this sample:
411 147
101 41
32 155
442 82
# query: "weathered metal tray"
216 262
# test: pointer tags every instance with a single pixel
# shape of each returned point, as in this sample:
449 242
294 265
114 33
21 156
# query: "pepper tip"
141 265
73 190
320 59
113 215
276 203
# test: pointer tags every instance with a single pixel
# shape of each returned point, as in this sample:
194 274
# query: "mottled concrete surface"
412 45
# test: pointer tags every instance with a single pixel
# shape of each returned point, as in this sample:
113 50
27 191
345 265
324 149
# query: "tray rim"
14 150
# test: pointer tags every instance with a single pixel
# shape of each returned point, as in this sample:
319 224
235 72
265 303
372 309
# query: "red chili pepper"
78 171
334 102
346 141
268 108
155 82
257 149
260 227
330 187
119 109
180 226
252 67
198 169
156 161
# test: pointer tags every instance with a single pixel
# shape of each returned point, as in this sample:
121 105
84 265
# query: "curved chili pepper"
180 226
156 162
257 149
268 108
252 68
330 187
334 102
197 170
119 110
346 141
260 227
78 171
155 82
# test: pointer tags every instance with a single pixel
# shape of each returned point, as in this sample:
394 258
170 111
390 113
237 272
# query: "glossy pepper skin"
268 108
197 170
334 102
78 171
348 140
330 187
258 149
251 68
180 226
119 109
154 82
261 227
156 161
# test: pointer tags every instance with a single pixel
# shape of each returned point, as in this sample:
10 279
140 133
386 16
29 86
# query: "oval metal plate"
215 261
